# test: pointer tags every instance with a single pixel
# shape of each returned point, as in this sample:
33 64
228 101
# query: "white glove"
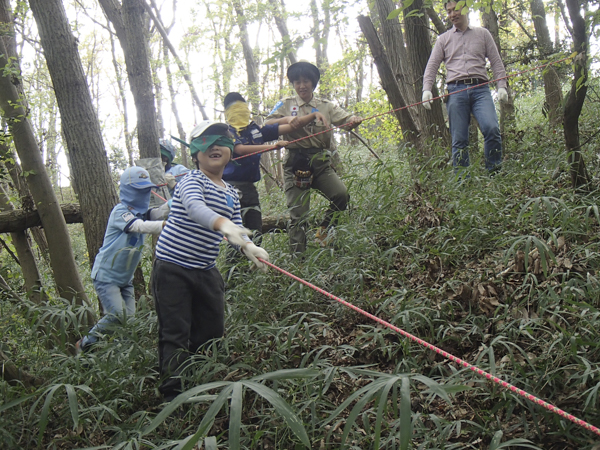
147 226
502 95
234 233
254 253
427 96
171 181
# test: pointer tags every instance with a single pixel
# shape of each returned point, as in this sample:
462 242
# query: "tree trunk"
123 98
91 174
251 66
29 269
183 149
388 82
280 22
552 85
392 38
182 69
507 109
10 161
17 220
140 77
437 22
419 48
62 261
13 375
576 97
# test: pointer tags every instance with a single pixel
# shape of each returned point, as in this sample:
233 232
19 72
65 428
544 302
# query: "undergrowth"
499 271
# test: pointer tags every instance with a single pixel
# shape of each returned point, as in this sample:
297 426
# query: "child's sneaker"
78 348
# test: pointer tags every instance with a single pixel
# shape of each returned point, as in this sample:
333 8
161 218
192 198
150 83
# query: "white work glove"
254 253
171 181
502 95
427 96
234 234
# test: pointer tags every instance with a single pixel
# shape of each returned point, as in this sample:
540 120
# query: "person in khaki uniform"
307 163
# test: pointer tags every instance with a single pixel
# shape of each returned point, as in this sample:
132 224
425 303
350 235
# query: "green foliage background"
427 252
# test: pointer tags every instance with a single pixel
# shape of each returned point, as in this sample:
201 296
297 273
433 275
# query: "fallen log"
19 220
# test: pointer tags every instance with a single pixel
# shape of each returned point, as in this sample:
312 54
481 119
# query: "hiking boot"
321 237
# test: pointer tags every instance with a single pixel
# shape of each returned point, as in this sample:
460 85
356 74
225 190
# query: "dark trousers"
190 309
249 205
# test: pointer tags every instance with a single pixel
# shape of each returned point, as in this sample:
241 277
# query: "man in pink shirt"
464 49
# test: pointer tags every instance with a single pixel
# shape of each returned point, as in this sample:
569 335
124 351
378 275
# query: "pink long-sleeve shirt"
464 53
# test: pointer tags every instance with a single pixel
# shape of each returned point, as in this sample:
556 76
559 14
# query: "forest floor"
498 271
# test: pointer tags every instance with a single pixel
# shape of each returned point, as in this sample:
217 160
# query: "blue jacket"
248 168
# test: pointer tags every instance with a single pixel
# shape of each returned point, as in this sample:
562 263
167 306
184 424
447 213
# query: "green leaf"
434 387
395 13
282 408
354 414
73 406
496 440
210 443
235 415
286 374
181 398
405 415
15 402
381 407
207 420
45 410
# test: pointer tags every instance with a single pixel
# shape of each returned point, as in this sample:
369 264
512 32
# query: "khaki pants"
325 180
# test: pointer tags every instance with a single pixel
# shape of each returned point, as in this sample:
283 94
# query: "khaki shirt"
295 106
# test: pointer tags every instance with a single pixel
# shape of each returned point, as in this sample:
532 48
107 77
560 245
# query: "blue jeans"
117 303
479 102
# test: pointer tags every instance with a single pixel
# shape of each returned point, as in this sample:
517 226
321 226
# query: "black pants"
250 205
251 215
190 309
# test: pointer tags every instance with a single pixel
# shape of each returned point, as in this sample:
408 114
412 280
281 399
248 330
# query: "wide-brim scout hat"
136 177
232 97
301 68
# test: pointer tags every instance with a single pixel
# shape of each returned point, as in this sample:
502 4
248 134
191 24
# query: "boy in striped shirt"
187 287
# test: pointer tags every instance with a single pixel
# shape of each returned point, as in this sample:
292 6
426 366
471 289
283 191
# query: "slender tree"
29 268
182 69
128 20
418 44
279 15
576 97
80 125
63 264
552 85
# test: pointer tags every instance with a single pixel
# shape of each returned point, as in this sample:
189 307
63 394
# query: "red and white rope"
445 354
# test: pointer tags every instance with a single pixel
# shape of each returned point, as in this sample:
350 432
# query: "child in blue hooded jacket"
115 263
173 172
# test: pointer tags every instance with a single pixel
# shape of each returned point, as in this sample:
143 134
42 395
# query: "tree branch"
184 72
